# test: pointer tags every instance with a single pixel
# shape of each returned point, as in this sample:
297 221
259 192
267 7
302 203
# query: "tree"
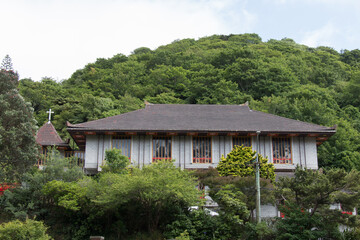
307 198
238 185
240 162
199 225
7 64
156 191
352 91
117 205
351 57
298 224
18 148
28 201
233 206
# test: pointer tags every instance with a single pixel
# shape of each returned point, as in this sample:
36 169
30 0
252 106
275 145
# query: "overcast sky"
53 38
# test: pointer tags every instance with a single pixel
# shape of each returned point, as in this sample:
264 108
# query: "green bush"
115 162
351 234
263 231
183 236
28 200
299 224
198 225
28 230
241 162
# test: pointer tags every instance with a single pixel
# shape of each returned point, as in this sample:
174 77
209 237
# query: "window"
245 141
201 149
123 143
282 150
161 148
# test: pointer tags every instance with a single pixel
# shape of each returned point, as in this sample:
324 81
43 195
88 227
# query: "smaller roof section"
48 136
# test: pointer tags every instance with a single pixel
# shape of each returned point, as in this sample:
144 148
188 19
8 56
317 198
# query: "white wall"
141 150
95 150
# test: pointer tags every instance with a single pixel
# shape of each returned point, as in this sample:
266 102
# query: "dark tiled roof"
47 136
199 118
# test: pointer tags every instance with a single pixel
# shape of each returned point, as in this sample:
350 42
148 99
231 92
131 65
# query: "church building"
48 139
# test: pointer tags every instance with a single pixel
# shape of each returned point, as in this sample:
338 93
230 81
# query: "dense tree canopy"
318 85
305 201
18 148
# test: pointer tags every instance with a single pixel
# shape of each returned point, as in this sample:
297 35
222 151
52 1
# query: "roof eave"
263 132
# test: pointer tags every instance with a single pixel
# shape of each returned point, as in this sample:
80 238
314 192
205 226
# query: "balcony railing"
73 158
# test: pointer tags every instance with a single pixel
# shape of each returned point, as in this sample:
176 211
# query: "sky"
54 38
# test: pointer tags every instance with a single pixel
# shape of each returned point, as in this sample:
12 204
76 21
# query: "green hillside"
318 85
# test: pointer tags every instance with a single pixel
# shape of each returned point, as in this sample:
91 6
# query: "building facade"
197 136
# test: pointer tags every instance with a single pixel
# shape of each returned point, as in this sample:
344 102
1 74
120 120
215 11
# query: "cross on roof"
49 112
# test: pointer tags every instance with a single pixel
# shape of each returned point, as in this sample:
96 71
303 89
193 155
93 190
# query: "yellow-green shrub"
241 162
28 230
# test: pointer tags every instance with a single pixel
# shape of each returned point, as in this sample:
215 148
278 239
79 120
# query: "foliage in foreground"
299 224
28 230
199 225
115 162
154 201
28 201
307 199
156 190
232 184
121 203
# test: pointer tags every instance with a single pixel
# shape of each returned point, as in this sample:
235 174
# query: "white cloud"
324 36
249 20
280 1
327 2
54 38
343 2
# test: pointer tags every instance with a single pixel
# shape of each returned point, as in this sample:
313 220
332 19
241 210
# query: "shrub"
28 230
115 162
199 225
241 162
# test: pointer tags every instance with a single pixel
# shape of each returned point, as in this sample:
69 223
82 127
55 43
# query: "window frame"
154 139
241 137
198 160
282 159
122 137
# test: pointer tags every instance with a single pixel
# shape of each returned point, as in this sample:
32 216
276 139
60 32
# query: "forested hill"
318 85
